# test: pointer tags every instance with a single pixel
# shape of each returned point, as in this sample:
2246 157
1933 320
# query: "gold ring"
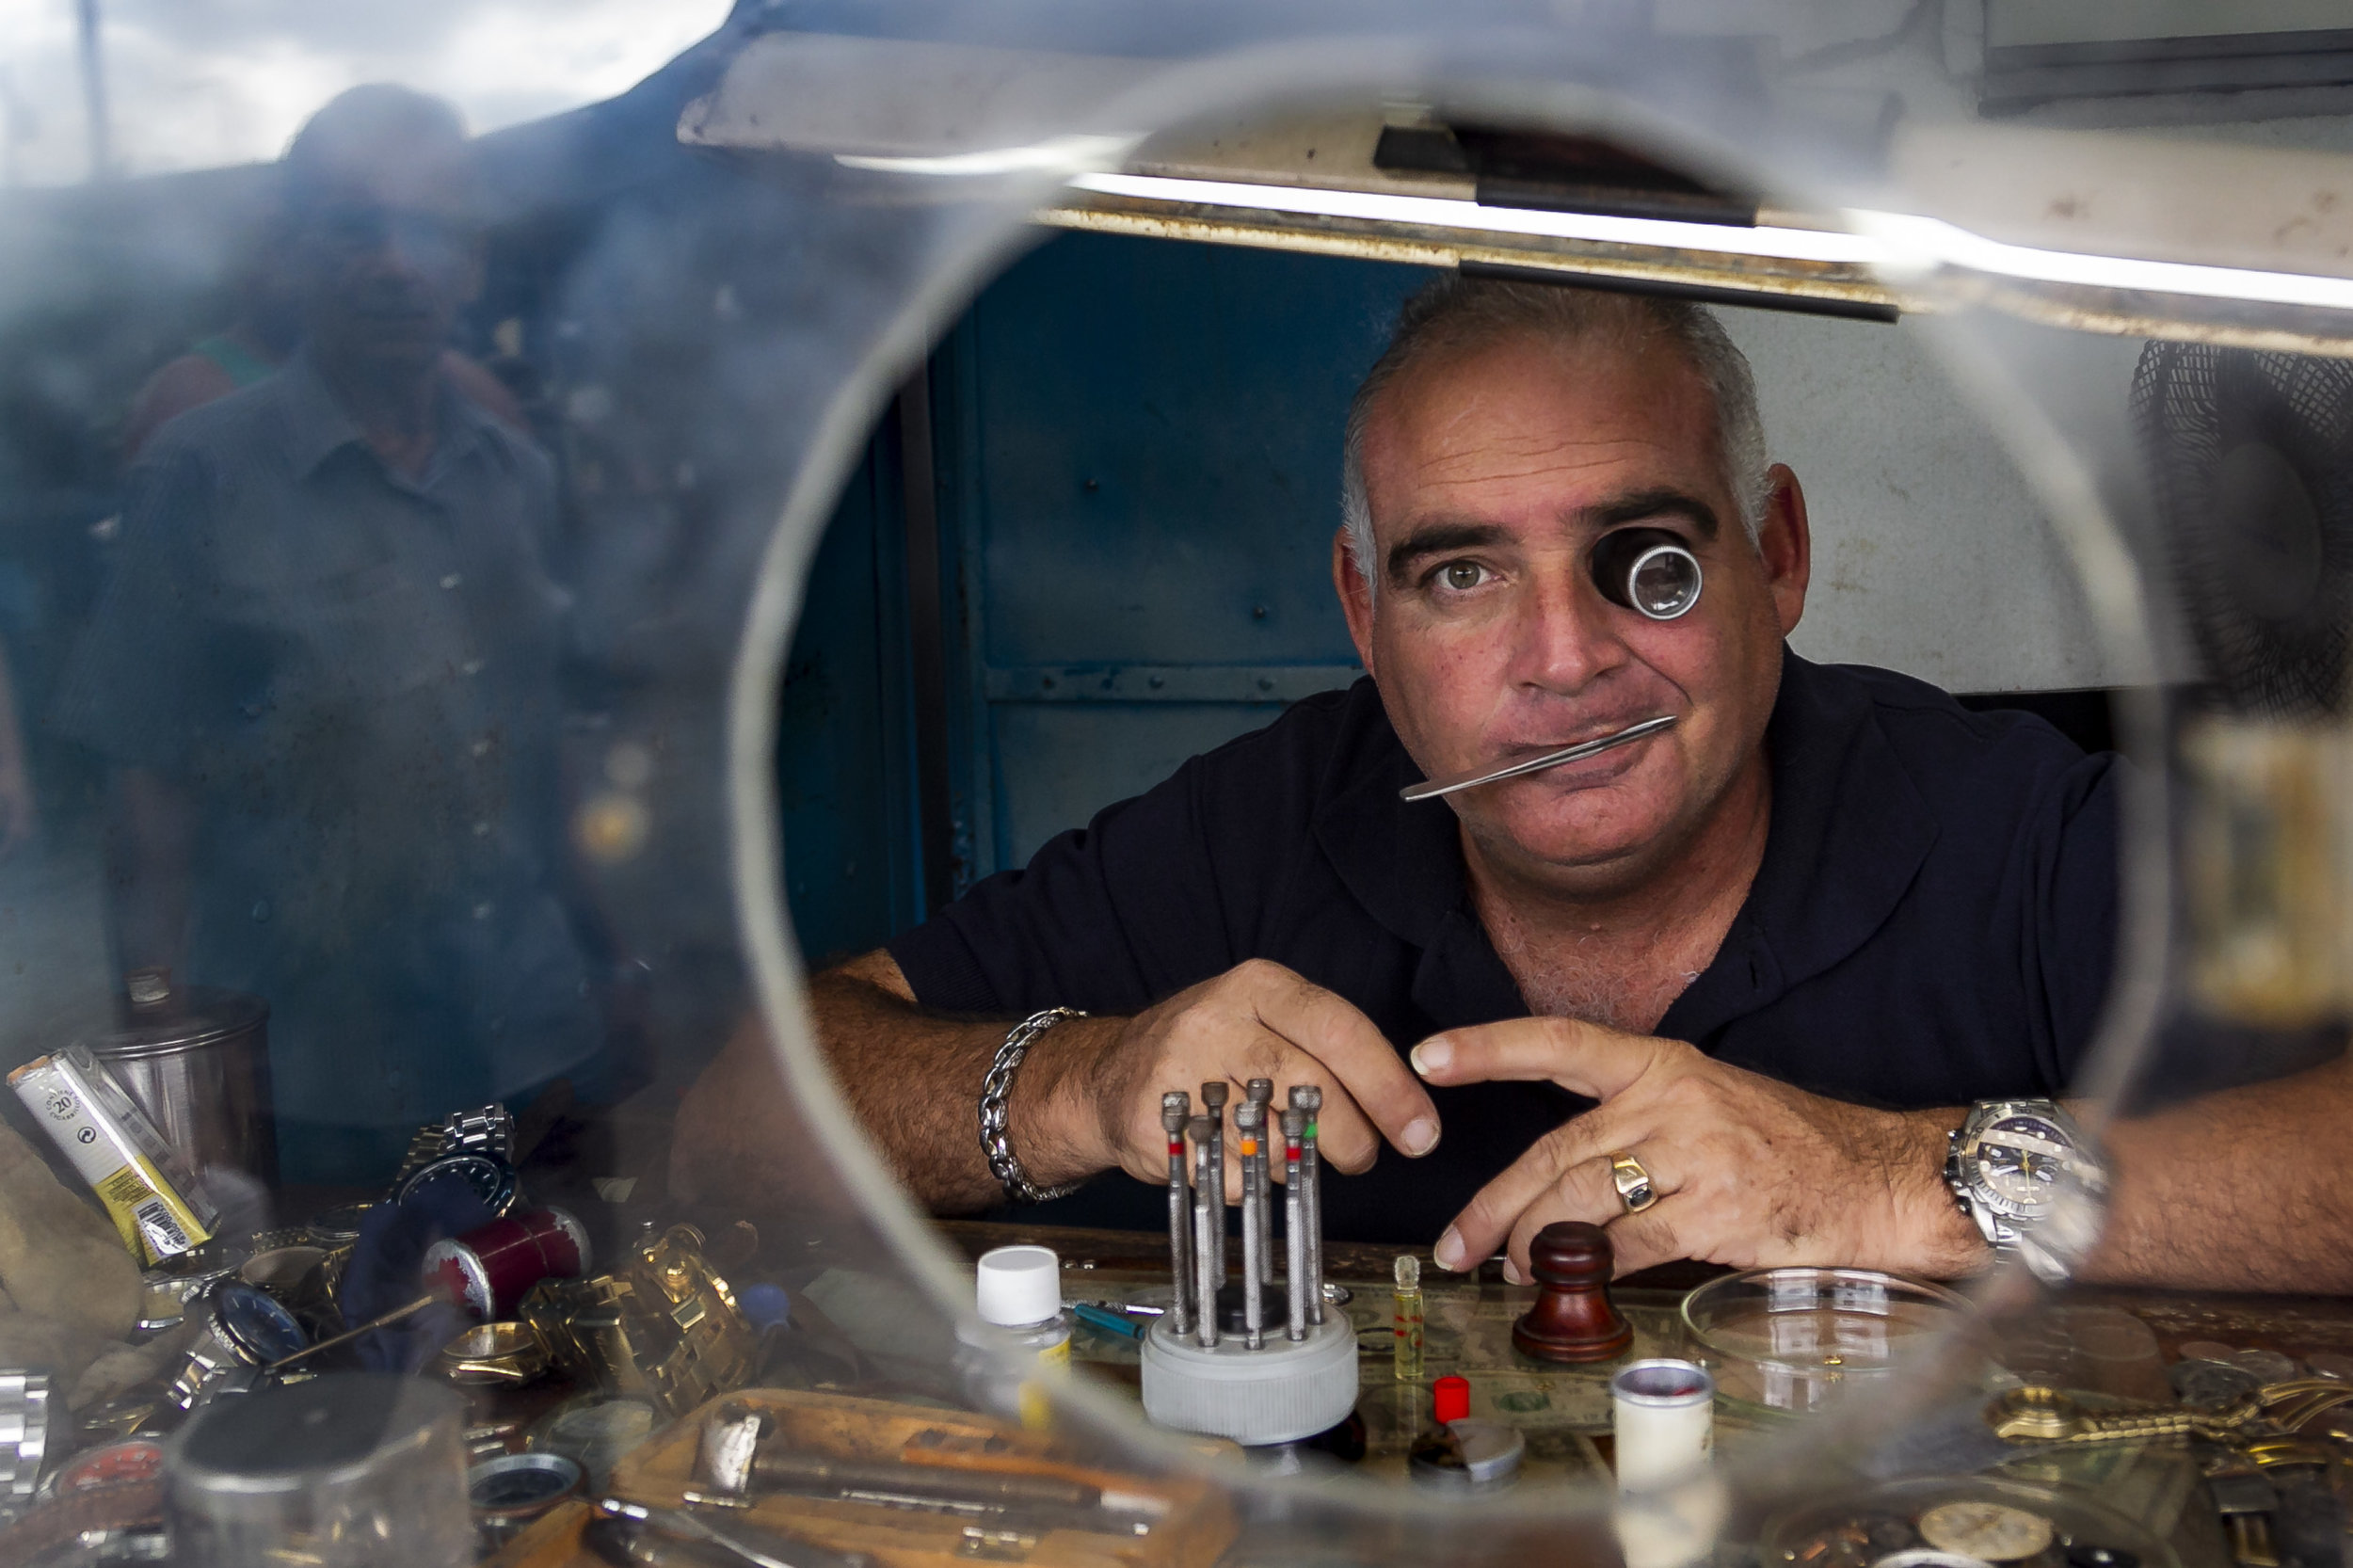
1635 1188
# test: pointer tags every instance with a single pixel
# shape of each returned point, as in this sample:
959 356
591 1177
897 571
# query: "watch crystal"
256 1323
2021 1160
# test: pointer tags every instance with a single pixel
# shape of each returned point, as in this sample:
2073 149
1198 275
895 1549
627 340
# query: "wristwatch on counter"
488 1130
245 1330
492 1180
172 1284
24 1413
2033 1181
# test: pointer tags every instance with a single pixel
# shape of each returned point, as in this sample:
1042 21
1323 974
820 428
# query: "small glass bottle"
1022 1341
1407 1324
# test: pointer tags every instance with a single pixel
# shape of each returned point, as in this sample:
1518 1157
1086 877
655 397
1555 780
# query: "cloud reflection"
196 84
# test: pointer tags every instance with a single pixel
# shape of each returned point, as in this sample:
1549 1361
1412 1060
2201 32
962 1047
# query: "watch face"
256 1324
491 1179
2020 1160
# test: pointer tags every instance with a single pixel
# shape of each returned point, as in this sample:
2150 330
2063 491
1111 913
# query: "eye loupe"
1648 570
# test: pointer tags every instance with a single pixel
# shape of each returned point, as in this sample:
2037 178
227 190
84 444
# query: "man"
326 670
266 330
1761 963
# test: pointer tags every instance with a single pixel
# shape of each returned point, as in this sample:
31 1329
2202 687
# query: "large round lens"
1665 582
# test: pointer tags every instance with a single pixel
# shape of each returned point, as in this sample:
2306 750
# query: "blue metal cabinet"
1138 446
845 771
1136 463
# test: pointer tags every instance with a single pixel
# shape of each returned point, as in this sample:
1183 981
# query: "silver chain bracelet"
996 1089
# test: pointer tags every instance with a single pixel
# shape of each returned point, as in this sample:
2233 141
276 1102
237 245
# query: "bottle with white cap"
1023 1335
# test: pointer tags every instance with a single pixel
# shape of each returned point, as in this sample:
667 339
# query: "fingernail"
1430 1056
1419 1137
1511 1273
1449 1252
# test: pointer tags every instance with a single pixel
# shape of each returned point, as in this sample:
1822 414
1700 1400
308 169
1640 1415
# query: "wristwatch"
2032 1180
244 1332
174 1283
492 1180
488 1130
24 1413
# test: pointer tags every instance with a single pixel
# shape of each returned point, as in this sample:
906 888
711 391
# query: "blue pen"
1108 1322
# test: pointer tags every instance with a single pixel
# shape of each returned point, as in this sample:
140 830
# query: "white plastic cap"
1019 1285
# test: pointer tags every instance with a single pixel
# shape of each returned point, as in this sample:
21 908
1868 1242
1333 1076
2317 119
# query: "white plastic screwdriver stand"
1285 1390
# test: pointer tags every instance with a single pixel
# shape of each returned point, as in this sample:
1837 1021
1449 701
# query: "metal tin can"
1664 1419
196 1060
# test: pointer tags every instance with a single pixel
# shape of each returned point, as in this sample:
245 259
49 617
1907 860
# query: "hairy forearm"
915 1083
913 1078
2249 1189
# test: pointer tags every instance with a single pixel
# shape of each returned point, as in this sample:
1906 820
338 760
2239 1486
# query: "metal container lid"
333 1431
187 1018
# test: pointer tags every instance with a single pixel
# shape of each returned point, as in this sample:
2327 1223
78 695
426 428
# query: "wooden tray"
1195 1532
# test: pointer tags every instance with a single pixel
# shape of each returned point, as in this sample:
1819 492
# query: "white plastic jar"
1022 1340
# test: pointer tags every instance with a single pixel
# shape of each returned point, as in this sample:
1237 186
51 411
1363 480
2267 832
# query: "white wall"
1929 554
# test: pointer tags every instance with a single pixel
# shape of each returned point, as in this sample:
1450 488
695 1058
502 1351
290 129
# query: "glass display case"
545 608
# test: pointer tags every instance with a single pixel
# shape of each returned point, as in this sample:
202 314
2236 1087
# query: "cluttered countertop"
711 1377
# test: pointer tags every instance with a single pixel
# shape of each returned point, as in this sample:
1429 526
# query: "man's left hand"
1750 1172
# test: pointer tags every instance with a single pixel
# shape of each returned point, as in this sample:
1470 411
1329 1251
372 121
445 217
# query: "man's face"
1492 471
388 256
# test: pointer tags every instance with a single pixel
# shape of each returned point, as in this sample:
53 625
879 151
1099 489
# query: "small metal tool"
1260 1092
763 1549
1249 1124
1294 1229
1208 1232
1432 790
382 1319
1214 1104
1176 1111
1309 1100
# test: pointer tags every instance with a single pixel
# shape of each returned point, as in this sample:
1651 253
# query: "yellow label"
154 1220
1036 1410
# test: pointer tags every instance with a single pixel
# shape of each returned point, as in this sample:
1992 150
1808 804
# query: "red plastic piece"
1450 1400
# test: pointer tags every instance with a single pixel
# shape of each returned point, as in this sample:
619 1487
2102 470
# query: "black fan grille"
2250 457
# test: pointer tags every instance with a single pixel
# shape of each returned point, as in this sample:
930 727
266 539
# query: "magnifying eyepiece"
1648 570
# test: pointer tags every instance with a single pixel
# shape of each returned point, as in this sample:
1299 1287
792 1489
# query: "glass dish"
1795 1339
1864 1526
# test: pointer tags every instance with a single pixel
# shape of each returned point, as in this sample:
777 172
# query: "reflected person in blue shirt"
327 673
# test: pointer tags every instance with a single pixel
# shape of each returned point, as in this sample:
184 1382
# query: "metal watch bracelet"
997 1089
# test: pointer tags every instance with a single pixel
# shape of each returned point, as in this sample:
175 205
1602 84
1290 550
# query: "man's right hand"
1087 1099
1257 1019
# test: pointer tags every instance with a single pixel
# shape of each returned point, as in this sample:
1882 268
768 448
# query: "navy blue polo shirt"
1934 921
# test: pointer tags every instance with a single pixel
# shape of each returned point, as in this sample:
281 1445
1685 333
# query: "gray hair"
1456 311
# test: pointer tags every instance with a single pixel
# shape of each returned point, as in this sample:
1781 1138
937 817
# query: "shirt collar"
1848 834
314 426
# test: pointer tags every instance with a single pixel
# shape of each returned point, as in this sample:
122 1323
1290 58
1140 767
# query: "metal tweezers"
1577 753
